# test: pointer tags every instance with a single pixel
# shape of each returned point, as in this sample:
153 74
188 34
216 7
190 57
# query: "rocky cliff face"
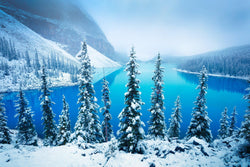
60 21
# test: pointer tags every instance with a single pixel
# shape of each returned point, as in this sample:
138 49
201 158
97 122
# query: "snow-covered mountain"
16 39
98 60
61 21
26 39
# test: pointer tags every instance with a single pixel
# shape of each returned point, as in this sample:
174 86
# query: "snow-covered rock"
157 153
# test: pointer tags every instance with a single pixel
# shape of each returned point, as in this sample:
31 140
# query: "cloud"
177 27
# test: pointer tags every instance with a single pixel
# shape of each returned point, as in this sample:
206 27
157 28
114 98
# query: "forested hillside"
234 61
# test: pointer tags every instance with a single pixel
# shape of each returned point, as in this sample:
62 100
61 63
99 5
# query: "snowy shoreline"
59 83
213 75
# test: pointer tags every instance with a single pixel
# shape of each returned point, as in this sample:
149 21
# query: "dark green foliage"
87 127
245 126
26 131
131 131
48 115
4 130
231 128
106 125
232 61
223 131
200 122
63 136
157 125
174 128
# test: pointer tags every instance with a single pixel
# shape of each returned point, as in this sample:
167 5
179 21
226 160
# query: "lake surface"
222 92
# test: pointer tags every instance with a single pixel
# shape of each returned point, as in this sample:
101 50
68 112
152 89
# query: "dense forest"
233 61
25 68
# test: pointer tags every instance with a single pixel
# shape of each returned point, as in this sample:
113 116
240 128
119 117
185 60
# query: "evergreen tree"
64 125
245 126
48 115
26 131
231 129
106 125
4 130
223 131
27 57
87 127
200 123
157 125
37 63
131 131
174 128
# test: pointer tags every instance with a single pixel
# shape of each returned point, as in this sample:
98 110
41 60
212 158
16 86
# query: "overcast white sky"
173 27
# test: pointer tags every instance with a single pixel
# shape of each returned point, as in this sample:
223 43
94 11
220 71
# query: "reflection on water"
219 83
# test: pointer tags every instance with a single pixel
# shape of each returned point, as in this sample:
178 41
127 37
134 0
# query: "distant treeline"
233 61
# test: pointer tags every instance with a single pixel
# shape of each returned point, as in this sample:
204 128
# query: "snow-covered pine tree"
200 122
245 126
131 131
50 132
174 128
87 127
106 125
26 130
27 57
4 130
223 131
64 132
37 63
157 125
231 128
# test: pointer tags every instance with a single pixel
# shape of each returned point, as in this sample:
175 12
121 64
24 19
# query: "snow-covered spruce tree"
200 122
87 127
231 129
106 125
157 125
50 132
245 126
223 131
64 132
131 131
26 130
4 130
174 128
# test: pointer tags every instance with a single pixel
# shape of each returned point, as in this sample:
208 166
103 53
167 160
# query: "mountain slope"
59 21
98 60
26 39
16 38
234 61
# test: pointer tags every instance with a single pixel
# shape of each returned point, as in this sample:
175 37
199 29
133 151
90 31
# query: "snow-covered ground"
214 75
157 153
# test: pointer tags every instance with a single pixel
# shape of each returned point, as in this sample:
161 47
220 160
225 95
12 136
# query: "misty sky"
172 27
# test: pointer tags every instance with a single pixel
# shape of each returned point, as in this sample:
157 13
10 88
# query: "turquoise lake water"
222 92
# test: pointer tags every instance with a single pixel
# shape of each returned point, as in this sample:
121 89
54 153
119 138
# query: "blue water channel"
222 92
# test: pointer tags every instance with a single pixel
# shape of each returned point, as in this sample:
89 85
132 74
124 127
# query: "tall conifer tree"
48 115
64 125
157 125
26 130
200 123
174 128
87 127
4 130
223 131
245 126
131 131
106 125
231 129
